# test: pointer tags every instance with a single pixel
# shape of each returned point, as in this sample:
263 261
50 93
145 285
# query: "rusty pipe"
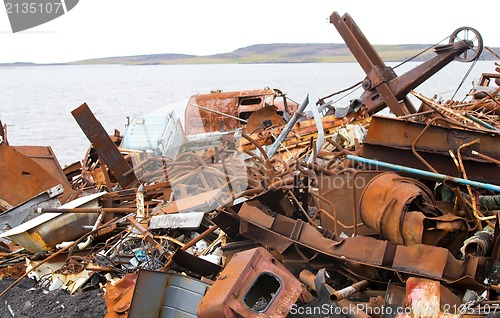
351 310
479 121
414 145
269 170
317 168
307 278
435 176
475 210
347 291
485 157
87 210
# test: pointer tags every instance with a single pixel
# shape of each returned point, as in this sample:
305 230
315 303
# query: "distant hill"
139 59
280 53
275 53
271 53
18 64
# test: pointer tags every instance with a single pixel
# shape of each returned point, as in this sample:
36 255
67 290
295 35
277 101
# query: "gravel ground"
27 299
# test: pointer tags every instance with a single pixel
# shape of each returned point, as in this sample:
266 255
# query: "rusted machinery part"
104 146
399 209
478 244
250 277
475 46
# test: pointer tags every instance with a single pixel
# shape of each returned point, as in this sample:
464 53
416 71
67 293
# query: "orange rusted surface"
119 296
21 177
240 104
46 158
302 130
251 277
402 210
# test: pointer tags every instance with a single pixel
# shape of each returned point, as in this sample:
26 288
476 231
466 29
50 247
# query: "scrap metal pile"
257 208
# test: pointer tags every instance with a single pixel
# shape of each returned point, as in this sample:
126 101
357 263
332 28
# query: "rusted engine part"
240 104
402 210
253 284
326 293
159 294
382 85
29 178
392 140
281 233
104 146
27 210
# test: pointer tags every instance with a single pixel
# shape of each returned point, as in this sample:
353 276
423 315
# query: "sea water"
36 101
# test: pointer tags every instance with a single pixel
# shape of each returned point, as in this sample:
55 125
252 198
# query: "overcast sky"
103 28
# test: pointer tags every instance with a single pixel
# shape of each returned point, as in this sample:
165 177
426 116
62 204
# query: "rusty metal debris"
260 208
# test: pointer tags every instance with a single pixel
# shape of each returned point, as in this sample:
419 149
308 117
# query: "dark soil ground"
27 299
